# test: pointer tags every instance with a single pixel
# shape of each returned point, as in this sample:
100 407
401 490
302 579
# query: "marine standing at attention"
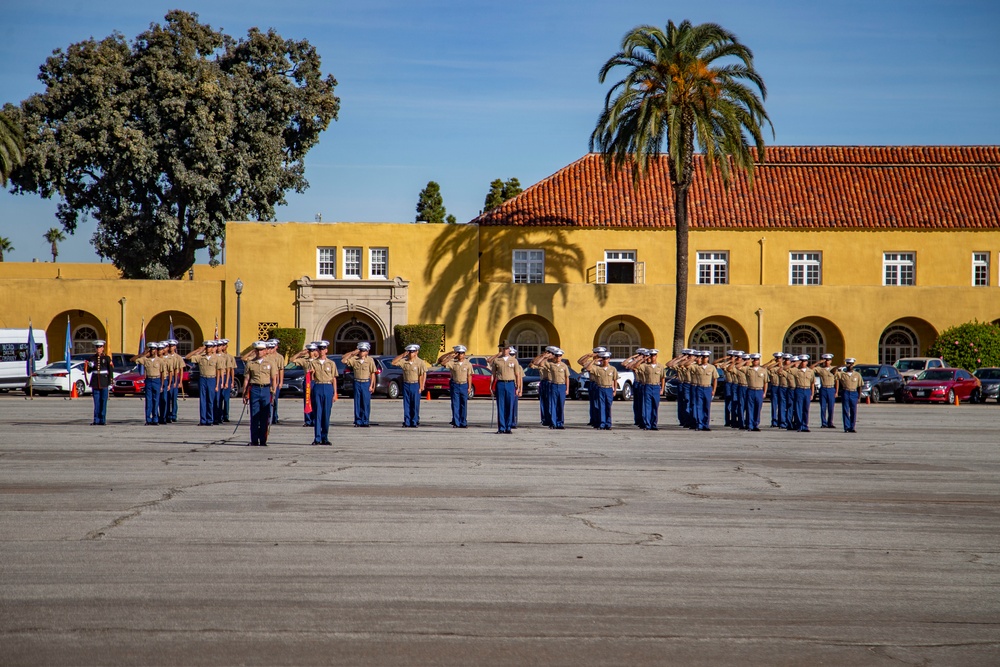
849 381
757 379
459 384
324 388
551 362
278 359
805 386
172 389
705 378
635 364
227 375
365 374
262 379
827 389
101 372
503 385
208 382
414 376
308 410
150 361
655 379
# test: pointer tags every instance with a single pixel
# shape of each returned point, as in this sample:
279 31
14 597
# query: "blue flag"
170 335
69 348
30 360
142 346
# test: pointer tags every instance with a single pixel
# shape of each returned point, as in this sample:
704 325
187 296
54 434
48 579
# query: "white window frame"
528 266
348 275
326 262
716 266
374 263
805 260
899 264
623 256
981 265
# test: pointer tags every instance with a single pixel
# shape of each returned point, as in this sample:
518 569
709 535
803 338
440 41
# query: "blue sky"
464 92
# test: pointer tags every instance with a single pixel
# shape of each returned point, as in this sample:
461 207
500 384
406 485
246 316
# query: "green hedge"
430 338
290 341
970 346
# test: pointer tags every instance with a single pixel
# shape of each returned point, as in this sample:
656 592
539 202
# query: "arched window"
897 342
350 334
712 337
83 340
185 340
621 339
805 339
530 339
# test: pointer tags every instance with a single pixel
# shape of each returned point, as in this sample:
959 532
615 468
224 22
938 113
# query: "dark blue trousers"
592 396
274 405
557 404
163 411
775 402
362 403
411 404
849 409
743 407
223 413
605 398
173 404
543 402
206 400
100 405
651 406
152 400
322 407
638 396
505 406
459 404
260 413
802 400
826 401
703 407
727 403
755 400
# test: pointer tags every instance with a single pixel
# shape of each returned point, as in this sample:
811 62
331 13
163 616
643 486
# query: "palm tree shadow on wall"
459 255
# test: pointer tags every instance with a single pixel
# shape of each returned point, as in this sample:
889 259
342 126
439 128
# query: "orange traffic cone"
72 392
428 394
956 399
868 399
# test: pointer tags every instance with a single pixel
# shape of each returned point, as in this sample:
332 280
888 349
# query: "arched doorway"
83 339
185 340
84 328
712 337
350 334
530 334
621 338
186 330
805 339
898 341
346 329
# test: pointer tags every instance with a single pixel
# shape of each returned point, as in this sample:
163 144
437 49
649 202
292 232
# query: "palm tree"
693 85
54 236
5 246
11 147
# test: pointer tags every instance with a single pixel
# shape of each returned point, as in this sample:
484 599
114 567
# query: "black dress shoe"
327 442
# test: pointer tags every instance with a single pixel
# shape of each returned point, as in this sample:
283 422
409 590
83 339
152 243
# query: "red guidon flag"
307 382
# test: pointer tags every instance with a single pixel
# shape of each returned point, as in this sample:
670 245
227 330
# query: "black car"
294 381
120 362
390 378
194 378
529 387
990 380
882 382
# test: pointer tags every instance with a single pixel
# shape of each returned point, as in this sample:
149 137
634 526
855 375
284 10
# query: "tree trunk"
681 244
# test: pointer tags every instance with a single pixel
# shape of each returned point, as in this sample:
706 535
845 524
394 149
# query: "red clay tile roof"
798 187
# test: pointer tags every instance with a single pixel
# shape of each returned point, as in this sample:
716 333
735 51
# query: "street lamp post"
239 292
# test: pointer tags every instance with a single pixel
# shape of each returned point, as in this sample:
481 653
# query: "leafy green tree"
5 246
690 86
500 192
163 140
430 205
11 146
970 346
54 236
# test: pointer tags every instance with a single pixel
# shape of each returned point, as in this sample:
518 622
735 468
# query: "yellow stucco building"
860 251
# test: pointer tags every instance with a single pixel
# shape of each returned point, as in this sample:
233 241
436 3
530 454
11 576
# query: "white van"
14 356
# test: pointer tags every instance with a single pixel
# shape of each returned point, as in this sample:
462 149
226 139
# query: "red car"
439 379
943 384
134 382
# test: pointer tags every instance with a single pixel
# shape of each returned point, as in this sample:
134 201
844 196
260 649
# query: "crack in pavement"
645 540
741 468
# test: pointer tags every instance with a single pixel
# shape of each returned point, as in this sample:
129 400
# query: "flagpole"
30 363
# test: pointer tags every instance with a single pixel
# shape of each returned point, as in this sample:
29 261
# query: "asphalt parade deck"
176 545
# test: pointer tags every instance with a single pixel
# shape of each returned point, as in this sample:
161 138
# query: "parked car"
192 378
911 367
295 377
945 385
55 377
132 381
989 379
439 380
120 362
672 386
881 382
390 378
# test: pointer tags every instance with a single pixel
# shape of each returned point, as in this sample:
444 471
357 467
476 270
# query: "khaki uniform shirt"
787 380
740 375
207 364
323 370
826 376
412 370
805 378
604 377
703 375
850 380
363 369
557 370
277 360
756 377
504 369
460 370
153 366
261 371
652 373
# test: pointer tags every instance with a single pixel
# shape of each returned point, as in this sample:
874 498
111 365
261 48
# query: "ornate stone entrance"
380 304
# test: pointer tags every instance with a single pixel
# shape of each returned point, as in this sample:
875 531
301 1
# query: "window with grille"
352 262
713 268
980 269
378 263
83 340
899 268
805 268
529 266
326 262
264 330
185 340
